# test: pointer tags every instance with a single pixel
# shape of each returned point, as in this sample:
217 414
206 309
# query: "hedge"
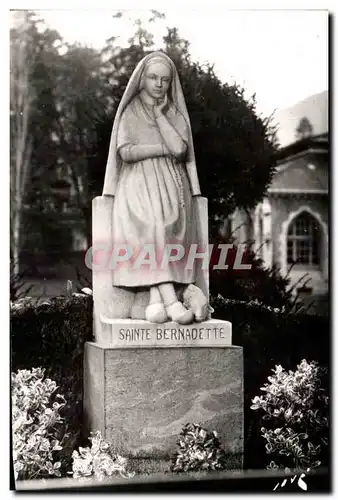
52 335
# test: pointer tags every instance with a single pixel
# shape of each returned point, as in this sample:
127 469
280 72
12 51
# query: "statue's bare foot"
177 312
156 313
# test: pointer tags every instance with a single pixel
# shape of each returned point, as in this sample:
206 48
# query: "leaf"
302 483
202 433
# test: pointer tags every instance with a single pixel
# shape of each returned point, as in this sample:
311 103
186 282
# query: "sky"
280 55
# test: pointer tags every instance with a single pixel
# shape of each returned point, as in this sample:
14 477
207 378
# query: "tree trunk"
16 243
21 141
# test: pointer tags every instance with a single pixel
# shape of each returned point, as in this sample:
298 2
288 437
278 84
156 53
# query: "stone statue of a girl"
151 173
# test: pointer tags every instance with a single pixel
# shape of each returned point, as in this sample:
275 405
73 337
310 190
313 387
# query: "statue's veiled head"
156 77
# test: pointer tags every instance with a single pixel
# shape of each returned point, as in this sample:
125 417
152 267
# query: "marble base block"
141 398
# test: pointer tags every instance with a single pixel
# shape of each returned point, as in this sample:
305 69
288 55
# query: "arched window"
304 240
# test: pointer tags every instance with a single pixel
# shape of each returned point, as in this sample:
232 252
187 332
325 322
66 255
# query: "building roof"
306 173
314 108
318 144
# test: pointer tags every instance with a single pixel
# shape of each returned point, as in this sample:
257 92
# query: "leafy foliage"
37 425
40 437
97 461
199 450
296 407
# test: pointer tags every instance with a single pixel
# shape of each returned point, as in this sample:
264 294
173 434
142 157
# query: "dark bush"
259 283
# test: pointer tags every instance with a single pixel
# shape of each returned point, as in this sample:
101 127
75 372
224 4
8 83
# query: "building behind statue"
290 227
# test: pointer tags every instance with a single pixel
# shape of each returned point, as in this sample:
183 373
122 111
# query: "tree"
234 146
119 63
68 96
34 57
82 99
304 128
21 101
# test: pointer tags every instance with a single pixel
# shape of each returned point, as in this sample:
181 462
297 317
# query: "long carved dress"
153 203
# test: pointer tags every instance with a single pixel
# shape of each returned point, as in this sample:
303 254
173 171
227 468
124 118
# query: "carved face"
157 80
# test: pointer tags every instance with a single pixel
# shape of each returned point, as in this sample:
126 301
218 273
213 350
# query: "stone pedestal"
141 398
142 381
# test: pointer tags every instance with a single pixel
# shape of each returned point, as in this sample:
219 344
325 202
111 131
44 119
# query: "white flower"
97 460
288 414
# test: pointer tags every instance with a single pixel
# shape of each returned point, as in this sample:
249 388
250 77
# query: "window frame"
295 236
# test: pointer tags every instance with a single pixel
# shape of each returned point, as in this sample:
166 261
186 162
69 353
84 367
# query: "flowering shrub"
54 334
198 450
97 460
297 407
36 425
